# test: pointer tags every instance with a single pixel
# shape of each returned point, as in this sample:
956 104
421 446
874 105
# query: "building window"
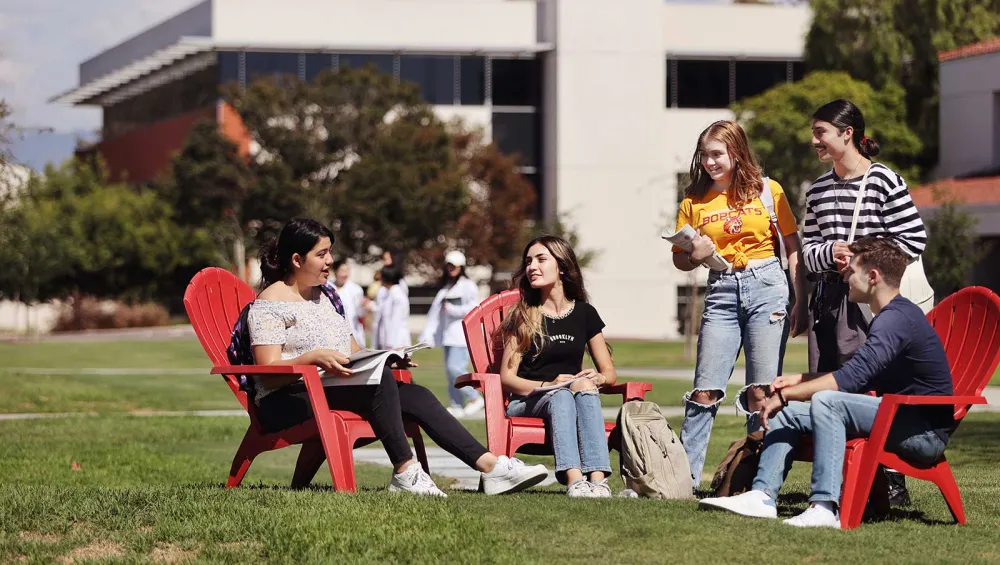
702 84
317 63
534 178
434 75
693 83
229 66
472 80
516 82
754 77
382 63
265 65
516 133
798 70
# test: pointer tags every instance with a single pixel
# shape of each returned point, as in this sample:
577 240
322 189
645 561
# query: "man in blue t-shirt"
902 355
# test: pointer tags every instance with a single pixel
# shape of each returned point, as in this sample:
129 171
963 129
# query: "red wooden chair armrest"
902 399
477 380
401 375
629 390
262 369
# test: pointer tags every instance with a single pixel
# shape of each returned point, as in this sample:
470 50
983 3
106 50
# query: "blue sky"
42 43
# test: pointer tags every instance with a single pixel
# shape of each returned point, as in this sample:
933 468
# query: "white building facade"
602 100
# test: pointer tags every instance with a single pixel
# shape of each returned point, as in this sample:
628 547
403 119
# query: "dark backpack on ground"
738 468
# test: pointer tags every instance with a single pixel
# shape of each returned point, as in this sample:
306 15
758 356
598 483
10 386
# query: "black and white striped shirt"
887 210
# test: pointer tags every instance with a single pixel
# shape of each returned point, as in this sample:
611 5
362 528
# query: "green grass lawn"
113 487
148 489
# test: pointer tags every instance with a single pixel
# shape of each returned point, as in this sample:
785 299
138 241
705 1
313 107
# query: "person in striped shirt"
839 327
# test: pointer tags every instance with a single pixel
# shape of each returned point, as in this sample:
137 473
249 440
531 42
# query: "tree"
496 223
953 247
211 191
359 150
70 232
778 125
896 42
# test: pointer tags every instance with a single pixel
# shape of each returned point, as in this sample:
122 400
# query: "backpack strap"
767 199
331 292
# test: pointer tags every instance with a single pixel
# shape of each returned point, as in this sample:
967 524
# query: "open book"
368 364
556 386
684 238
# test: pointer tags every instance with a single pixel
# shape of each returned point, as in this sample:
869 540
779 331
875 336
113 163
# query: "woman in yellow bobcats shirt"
745 307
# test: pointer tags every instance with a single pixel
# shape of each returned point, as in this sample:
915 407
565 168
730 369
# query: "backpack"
736 472
767 199
653 461
240 350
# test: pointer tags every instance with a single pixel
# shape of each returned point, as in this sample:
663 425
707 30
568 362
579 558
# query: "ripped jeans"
576 425
744 309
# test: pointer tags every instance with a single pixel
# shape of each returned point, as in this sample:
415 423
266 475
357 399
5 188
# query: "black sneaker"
898 495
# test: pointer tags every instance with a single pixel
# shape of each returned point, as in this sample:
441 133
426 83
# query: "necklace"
557 315
838 186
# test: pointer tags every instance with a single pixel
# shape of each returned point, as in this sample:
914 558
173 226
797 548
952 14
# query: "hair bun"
869 147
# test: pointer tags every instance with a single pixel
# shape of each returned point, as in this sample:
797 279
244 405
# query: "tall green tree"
953 246
358 149
778 124
896 43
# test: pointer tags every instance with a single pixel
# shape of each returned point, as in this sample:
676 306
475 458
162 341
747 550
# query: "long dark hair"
446 279
299 236
524 322
844 114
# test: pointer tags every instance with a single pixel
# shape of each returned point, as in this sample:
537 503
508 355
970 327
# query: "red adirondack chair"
520 434
214 300
968 323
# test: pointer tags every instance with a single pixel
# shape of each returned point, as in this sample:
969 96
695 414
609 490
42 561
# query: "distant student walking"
457 297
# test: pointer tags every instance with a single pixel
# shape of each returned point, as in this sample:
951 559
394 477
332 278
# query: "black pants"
838 327
385 406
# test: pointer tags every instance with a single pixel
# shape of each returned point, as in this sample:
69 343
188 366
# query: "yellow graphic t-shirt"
739 235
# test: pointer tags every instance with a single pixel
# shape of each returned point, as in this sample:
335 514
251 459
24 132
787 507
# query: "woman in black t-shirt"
545 335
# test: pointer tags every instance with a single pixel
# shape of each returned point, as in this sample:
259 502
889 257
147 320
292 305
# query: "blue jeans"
576 425
456 364
833 417
743 309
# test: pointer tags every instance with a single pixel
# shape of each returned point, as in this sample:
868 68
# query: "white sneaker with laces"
600 489
754 504
511 475
580 489
456 411
414 480
474 407
816 516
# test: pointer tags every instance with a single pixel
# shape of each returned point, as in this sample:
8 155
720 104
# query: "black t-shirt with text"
565 343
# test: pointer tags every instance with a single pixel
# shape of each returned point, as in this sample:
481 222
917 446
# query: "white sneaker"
816 516
474 407
456 411
415 481
580 489
600 489
754 504
512 475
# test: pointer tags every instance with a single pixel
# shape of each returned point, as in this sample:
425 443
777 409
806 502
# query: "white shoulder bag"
914 285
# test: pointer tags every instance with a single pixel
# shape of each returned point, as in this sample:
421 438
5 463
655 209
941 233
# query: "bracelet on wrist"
781 397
